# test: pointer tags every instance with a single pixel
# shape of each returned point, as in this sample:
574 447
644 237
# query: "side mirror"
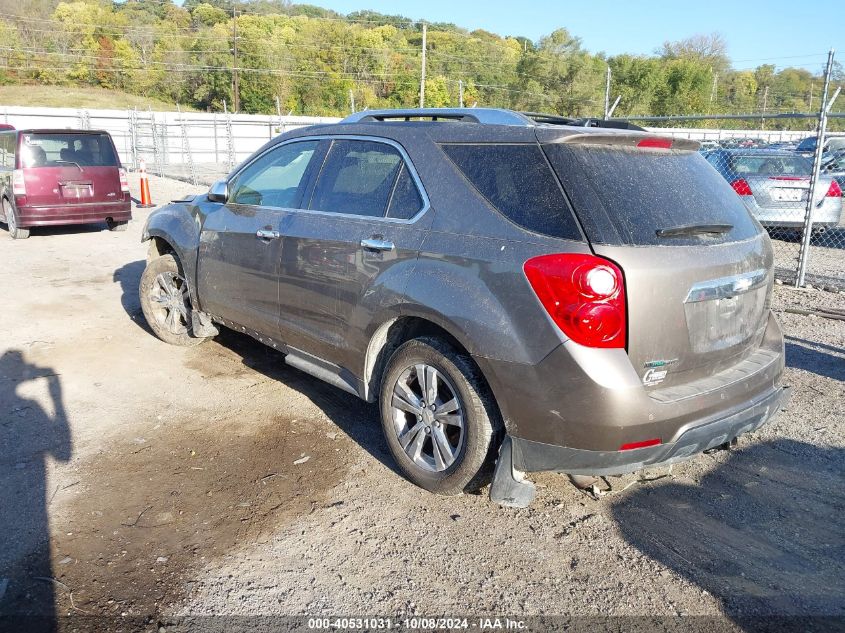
219 192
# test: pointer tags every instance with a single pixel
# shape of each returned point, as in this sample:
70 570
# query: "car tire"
15 232
166 303
472 432
117 226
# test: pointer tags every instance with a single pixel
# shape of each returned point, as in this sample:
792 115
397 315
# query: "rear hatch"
69 168
696 264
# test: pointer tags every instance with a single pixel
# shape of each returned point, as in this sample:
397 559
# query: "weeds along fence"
196 147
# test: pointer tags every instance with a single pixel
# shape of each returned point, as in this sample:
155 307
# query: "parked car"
834 166
5 126
536 296
775 185
58 177
807 147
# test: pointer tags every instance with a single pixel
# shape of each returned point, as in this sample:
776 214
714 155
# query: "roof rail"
489 116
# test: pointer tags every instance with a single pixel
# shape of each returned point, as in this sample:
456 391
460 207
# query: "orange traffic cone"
146 199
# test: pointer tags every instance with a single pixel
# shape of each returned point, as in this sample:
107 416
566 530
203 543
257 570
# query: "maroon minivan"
56 177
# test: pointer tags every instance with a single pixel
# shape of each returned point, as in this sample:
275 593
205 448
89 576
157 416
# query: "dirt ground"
150 483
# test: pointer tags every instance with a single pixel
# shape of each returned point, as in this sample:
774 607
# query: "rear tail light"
834 191
124 181
18 184
658 143
584 295
742 187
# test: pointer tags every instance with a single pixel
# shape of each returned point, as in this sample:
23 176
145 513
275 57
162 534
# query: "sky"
795 33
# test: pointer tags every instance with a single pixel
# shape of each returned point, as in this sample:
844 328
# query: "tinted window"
358 178
55 150
276 178
406 201
517 181
623 196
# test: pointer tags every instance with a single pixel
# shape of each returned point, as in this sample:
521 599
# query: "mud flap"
510 488
202 325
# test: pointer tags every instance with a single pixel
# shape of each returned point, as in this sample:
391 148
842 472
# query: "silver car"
775 186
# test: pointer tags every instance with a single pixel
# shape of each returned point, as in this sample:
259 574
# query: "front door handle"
264 234
373 244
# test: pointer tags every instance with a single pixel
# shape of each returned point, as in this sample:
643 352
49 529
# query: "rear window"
517 181
58 149
624 196
761 165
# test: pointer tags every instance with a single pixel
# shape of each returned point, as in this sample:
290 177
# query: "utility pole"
352 100
810 107
713 91
422 73
765 103
236 99
607 95
461 92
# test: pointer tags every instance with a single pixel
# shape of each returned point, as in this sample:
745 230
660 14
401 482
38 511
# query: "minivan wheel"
439 419
117 226
166 302
16 232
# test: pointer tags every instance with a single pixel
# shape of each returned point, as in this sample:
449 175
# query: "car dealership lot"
218 480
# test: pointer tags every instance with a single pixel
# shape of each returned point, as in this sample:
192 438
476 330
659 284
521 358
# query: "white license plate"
783 194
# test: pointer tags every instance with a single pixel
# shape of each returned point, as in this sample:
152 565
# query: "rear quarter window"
623 196
517 181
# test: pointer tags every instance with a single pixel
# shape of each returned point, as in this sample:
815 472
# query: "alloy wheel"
427 417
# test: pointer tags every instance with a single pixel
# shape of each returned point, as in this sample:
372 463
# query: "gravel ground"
153 482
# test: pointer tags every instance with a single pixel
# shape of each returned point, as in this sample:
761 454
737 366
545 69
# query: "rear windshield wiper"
70 162
694 229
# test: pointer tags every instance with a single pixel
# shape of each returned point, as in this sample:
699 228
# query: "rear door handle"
263 234
373 244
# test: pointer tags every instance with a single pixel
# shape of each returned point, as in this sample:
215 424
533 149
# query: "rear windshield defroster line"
625 196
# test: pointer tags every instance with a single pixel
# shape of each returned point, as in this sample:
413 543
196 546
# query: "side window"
406 201
358 178
276 178
517 181
7 150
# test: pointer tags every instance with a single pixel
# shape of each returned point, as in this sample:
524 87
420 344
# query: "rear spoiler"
634 141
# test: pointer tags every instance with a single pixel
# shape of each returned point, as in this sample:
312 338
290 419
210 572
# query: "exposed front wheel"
166 302
15 232
438 417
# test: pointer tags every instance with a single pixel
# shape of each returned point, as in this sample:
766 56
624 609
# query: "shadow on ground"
818 358
30 435
354 417
762 532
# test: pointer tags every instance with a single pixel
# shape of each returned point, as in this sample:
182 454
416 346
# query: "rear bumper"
531 456
792 216
85 213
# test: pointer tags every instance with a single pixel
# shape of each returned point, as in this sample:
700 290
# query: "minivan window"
275 179
358 178
624 196
517 181
58 149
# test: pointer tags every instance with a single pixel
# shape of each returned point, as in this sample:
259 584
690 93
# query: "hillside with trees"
316 61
